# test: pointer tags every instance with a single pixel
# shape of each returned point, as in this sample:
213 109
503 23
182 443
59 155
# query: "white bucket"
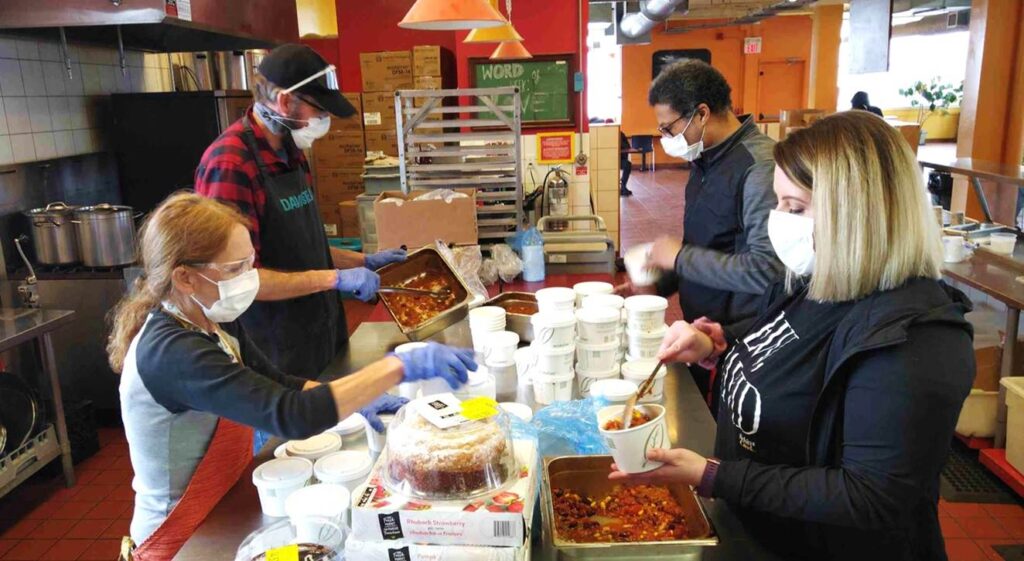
307 506
584 289
348 468
500 346
637 371
596 358
553 330
526 360
549 389
646 312
587 379
645 344
277 479
556 299
553 362
487 318
597 325
314 447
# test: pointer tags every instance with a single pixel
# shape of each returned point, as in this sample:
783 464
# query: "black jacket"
898 369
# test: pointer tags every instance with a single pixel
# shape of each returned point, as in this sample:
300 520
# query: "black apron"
300 335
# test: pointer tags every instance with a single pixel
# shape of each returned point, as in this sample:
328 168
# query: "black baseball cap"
293 64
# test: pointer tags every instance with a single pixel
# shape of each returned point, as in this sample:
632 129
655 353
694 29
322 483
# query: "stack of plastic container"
483 322
499 358
645 330
554 337
598 346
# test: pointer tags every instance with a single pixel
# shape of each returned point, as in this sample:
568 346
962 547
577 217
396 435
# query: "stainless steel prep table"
690 425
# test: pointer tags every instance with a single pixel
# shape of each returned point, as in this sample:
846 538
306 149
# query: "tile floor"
44 521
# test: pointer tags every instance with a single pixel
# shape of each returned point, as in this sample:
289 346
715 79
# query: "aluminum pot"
54 236
106 235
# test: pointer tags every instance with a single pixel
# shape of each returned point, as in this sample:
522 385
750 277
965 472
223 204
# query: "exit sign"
752 46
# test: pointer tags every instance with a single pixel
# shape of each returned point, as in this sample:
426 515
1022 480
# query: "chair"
644 144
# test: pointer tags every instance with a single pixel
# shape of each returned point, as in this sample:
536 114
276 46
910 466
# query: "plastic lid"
486 314
406 347
603 301
658 333
480 377
556 294
346 465
350 425
553 319
520 410
315 446
282 472
615 389
598 315
642 369
591 287
503 339
557 351
646 303
323 499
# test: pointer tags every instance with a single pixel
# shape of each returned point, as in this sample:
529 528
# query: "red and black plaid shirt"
228 172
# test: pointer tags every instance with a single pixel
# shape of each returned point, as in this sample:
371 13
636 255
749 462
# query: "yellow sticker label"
479 408
284 553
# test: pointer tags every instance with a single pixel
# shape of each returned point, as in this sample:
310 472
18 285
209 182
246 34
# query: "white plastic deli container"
307 506
348 468
556 299
645 344
586 380
278 478
499 347
597 358
553 330
548 389
645 312
597 325
604 301
613 390
314 447
590 288
635 259
553 362
637 371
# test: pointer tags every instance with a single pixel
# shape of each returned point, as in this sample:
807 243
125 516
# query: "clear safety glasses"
232 269
330 74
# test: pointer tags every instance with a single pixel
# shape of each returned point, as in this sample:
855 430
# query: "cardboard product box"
499 520
340 149
379 111
335 185
426 60
355 122
356 550
382 141
330 217
348 218
386 71
415 223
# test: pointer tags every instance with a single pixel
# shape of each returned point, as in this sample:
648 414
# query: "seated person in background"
860 101
625 164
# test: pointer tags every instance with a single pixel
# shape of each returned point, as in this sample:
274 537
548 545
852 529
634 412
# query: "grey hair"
686 84
264 91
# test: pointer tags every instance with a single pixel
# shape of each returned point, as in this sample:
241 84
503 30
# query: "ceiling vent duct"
652 12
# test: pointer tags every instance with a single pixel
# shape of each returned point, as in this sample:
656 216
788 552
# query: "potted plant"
931 97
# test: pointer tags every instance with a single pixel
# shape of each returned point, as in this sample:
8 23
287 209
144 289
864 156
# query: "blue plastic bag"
570 428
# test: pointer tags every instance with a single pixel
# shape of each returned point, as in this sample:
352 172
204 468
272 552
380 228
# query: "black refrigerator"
159 139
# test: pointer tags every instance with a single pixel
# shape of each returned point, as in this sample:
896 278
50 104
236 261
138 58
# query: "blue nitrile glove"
377 260
386 403
438 361
361 282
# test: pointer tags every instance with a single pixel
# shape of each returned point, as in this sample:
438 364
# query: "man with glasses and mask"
258 166
725 260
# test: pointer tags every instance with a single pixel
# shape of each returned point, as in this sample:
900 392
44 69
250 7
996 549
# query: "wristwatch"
707 480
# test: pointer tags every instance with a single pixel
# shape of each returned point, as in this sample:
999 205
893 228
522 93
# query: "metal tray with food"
587 476
420 317
519 308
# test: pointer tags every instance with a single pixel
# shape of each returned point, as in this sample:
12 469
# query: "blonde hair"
873 224
186 229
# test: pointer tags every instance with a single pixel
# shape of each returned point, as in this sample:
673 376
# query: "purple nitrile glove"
361 282
377 260
386 403
438 361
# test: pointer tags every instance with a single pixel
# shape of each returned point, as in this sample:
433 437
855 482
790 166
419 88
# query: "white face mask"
677 146
792 238
236 295
315 128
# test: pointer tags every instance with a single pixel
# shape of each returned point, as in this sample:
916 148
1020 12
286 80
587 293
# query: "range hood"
158 25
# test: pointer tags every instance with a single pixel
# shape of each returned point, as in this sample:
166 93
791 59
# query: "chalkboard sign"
661 59
545 86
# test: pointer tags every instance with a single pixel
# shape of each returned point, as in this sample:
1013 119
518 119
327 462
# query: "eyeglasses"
666 130
330 75
232 268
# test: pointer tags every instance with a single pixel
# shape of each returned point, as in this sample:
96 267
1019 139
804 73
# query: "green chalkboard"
545 86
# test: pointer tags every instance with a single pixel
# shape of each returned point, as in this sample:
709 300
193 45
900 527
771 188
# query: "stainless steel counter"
690 425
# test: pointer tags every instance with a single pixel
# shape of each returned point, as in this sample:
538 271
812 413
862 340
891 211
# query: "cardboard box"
356 550
498 520
348 218
355 122
379 111
426 60
330 217
335 185
340 149
382 141
386 71
428 83
416 223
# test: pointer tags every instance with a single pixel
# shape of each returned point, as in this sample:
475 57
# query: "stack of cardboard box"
428 69
383 73
338 164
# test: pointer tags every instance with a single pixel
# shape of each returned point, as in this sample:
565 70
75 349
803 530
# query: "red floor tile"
986 527
1015 526
113 477
44 510
102 550
97 462
964 550
62 493
29 550
85 477
88 529
117 529
68 550
21 529
6 545
53 529
990 553
124 462
1005 511
965 510
72 511
94 492
110 510
122 493
950 529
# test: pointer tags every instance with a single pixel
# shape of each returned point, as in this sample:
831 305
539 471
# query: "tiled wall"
604 166
44 114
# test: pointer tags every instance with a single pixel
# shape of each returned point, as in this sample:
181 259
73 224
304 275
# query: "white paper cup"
307 506
613 301
487 316
556 299
637 371
553 330
348 468
613 390
314 447
1002 242
481 384
278 478
635 260
953 250
596 358
645 344
646 312
629 447
586 380
375 440
553 362
505 378
590 288
500 346
549 389
597 325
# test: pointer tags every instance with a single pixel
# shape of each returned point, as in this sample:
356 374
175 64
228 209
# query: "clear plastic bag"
570 428
489 272
509 264
446 195
466 260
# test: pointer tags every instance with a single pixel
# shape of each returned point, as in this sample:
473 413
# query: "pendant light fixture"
449 15
510 50
498 34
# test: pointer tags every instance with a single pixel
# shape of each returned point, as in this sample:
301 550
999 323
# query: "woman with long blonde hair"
193 385
838 402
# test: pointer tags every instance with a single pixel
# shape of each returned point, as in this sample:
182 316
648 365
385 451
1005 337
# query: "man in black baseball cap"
257 165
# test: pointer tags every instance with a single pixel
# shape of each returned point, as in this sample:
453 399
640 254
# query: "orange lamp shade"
447 15
511 50
497 34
